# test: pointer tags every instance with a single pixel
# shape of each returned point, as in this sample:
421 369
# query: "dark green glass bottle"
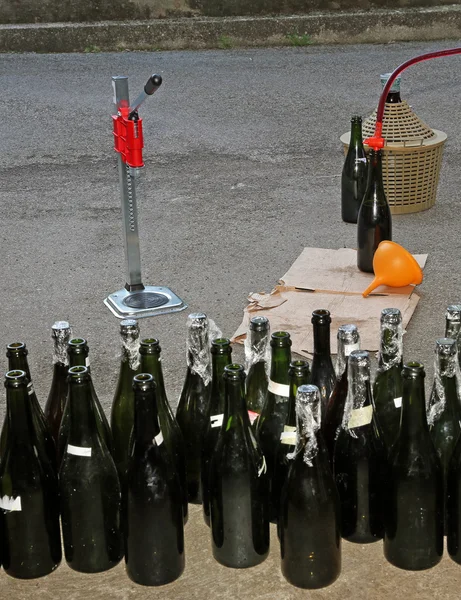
414 517
151 363
323 373
360 459
153 521
221 356
17 361
54 407
238 484
374 223
348 342
31 540
453 325
354 174
257 358
89 486
78 351
192 413
453 504
387 388
122 413
444 410
310 539
299 374
274 415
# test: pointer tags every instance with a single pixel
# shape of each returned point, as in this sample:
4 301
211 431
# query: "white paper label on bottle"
348 349
253 416
288 435
263 468
87 361
159 439
9 504
280 389
398 402
216 420
360 416
78 450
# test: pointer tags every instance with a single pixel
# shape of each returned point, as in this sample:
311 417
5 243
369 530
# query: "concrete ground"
243 167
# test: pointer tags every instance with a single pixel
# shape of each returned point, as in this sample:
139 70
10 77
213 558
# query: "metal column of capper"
135 299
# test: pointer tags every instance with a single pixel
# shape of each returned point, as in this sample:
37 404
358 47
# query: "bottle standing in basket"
354 174
393 96
257 357
310 538
238 484
323 372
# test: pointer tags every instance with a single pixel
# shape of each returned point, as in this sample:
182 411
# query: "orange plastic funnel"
394 266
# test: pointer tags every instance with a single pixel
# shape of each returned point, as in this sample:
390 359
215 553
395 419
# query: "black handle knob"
153 84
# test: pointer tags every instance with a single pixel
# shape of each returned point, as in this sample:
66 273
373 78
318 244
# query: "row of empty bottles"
322 454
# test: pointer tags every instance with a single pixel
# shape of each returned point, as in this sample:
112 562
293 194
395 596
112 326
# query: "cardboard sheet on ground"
322 278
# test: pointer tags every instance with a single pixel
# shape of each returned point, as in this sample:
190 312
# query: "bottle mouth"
299 365
356 119
413 369
392 316
77 374
149 346
234 371
15 348
280 339
77 342
15 378
321 316
220 346
259 324
143 382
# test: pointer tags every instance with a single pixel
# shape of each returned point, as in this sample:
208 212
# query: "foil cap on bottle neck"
259 324
61 333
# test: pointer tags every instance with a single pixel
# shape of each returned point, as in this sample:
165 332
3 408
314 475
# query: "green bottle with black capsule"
374 222
153 513
274 415
17 361
54 408
257 358
221 356
122 413
77 352
238 484
31 539
387 388
348 342
453 325
323 372
193 409
299 374
444 409
151 362
360 459
310 538
354 174
89 486
413 537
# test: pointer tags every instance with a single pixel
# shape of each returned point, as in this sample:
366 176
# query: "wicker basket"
411 160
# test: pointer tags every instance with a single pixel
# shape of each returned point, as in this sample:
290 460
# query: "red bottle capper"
128 138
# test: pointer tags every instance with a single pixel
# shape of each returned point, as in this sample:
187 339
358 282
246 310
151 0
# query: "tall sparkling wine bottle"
387 388
310 538
54 407
89 487
299 374
30 534
453 325
360 460
78 351
354 174
238 484
414 511
192 413
374 222
122 413
221 356
323 373
17 361
153 513
444 409
348 341
274 415
257 357
151 363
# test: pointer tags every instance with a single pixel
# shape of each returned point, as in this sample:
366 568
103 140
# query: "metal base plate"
149 302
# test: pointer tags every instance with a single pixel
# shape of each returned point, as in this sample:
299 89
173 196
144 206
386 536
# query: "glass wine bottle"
387 388
238 484
257 359
31 539
360 460
354 174
453 325
323 373
153 515
413 537
89 486
310 538
348 342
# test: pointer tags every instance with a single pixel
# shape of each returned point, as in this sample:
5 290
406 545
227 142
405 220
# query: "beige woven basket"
411 160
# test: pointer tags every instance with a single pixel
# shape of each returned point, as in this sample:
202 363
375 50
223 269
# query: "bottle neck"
391 346
82 428
235 410
358 386
151 363
413 419
344 351
321 339
19 414
393 98
219 362
356 134
198 354
17 361
452 329
256 349
130 350
446 382
280 363
297 379
146 423
375 170
307 426
79 359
